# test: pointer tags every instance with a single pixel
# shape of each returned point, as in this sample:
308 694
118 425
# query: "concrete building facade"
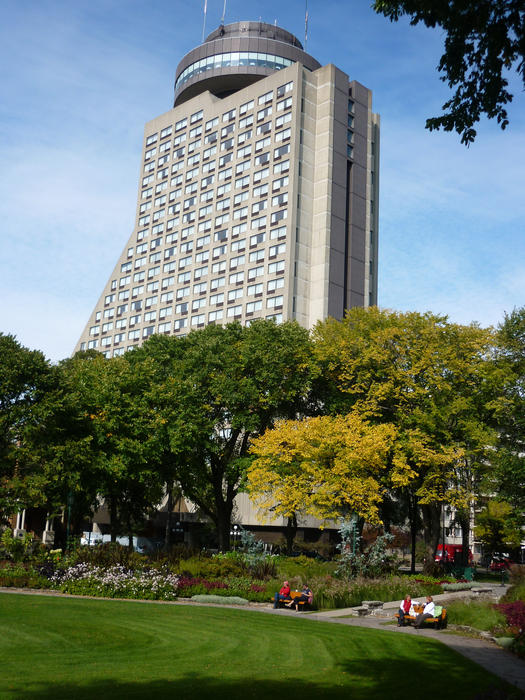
258 196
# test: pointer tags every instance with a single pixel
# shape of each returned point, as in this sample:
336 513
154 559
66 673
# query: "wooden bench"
292 596
439 622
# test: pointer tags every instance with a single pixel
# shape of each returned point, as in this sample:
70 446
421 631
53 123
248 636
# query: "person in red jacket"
283 594
404 609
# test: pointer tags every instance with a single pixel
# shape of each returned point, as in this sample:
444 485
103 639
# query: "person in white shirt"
428 611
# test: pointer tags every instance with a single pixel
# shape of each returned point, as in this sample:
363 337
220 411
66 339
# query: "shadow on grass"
360 681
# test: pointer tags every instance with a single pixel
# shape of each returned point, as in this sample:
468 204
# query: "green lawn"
93 649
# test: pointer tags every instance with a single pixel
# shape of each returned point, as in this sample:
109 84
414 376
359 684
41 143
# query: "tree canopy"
25 377
508 476
484 42
326 466
429 378
215 390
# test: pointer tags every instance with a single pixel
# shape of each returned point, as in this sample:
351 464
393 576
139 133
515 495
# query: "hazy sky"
80 78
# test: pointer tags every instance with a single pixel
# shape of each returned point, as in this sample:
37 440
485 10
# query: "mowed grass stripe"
70 648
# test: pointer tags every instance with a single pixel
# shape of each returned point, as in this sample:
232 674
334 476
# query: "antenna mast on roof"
306 24
223 12
204 22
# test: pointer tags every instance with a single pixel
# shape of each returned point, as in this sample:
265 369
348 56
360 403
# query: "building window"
275 284
214 316
234 311
236 278
253 306
276 267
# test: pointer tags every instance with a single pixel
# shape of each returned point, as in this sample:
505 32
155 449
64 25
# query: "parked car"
501 563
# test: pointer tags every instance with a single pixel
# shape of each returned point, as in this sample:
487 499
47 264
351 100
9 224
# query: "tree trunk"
223 524
464 520
431 529
290 532
169 507
113 518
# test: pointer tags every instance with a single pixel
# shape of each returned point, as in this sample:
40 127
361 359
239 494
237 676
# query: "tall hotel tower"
258 196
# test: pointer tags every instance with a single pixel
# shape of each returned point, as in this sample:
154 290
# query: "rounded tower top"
254 29
236 55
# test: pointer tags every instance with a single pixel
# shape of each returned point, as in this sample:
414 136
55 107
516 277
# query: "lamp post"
177 530
235 533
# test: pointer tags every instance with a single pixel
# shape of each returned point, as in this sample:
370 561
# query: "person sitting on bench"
428 611
306 596
404 609
283 594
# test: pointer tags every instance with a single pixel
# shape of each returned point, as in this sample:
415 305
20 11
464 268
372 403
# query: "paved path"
485 653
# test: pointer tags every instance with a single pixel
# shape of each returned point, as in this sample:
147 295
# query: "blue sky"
80 78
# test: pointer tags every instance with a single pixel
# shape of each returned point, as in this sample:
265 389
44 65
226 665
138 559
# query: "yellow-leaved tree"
326 466
434 381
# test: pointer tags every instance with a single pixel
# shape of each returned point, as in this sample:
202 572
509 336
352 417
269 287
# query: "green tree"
497 527
429 378
94 441
508 474
25 376
484 42
216 389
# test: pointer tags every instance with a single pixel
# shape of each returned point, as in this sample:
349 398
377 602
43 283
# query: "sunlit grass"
93 649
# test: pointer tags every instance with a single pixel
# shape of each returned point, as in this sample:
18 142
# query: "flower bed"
116 582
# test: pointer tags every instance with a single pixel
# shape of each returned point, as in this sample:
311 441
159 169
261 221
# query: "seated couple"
306 596
406 608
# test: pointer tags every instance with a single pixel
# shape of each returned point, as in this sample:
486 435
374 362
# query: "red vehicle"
452 554
500 564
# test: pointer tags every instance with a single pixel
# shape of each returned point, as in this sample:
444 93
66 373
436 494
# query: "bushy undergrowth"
303 567
241 586
514 613
222 600
481 615
112 570
457 586
106 555
331 592
17 575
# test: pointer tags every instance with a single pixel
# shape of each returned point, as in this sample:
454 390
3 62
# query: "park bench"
293 594
439 621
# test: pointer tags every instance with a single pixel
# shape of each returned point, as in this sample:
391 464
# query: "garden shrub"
19 575
374 562
244 587
107 554
517 575
481 615
222 600
212 568
457 586
515 614
15 548
303 567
